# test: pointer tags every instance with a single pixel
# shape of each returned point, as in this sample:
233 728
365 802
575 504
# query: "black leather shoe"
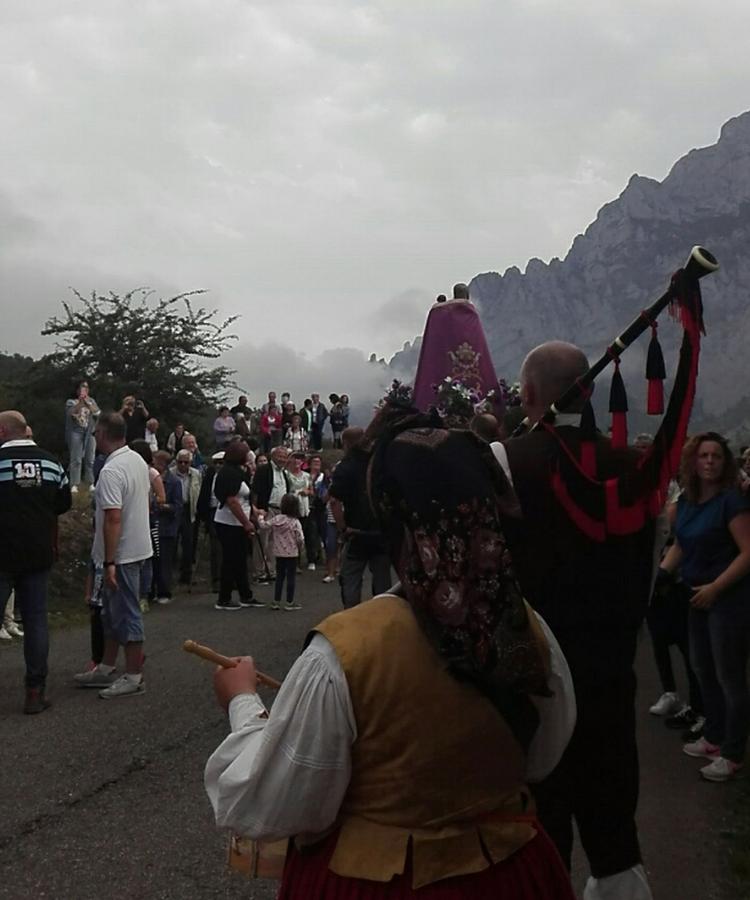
36 702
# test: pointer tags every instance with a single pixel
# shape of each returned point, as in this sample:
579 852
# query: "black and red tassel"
656 372
618 406
587 434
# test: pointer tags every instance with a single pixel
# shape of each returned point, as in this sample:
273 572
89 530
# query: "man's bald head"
547 372
12 425
352 437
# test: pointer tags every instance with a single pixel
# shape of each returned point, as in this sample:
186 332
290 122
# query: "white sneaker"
328 579
4 636
667 705
74 489
94 678
631 884
163 601
721 769
125 686
15 630
311 567
702 749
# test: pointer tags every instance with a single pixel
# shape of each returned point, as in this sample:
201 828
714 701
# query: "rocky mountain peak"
624 259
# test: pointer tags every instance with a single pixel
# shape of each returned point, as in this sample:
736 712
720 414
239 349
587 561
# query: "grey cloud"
400 318
278 367
299 160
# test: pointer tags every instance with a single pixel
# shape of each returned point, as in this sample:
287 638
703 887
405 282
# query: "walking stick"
226 662
201 542
263 557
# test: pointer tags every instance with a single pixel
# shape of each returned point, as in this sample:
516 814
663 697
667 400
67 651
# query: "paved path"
104 800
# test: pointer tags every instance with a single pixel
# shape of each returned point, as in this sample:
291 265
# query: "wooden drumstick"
226 662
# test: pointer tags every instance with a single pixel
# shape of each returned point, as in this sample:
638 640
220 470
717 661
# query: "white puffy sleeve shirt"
287 774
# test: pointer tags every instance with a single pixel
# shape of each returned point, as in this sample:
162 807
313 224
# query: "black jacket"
34 491
263 485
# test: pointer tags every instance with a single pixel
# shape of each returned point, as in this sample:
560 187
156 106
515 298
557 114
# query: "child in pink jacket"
287 537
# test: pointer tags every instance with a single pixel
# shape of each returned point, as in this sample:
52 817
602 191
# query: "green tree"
136 344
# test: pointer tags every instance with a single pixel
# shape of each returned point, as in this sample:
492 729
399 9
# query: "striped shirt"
34 491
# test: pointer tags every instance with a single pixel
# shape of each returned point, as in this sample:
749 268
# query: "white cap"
218 456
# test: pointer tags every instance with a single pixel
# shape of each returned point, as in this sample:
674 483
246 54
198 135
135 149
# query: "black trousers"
596 782
161 581
97 634
312 538
234 550
185 537
667 620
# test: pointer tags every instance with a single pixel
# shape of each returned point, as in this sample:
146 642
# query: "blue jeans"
719 644
81 445
286 569
31 600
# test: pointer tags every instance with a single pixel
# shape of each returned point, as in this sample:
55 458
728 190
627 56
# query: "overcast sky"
325 168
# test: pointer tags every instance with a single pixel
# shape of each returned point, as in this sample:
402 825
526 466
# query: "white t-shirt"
124 484
225 516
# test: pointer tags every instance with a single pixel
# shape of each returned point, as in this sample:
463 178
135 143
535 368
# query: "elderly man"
34 491
270 484
122 542
567 578
151 435
190 484
270 402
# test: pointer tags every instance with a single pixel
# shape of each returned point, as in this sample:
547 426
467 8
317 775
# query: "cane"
226 662
202 541
263 557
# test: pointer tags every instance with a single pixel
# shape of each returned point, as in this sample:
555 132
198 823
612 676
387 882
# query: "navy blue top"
708 548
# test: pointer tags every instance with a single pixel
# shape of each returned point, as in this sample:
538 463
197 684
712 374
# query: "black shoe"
685 718
252 603
36 702
228 604
695 732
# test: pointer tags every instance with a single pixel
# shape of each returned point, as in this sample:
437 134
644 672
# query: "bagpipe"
622 505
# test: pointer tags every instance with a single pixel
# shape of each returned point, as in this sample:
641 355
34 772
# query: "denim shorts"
121 612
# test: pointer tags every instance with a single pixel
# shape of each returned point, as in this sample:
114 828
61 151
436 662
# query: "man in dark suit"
593 595
318 414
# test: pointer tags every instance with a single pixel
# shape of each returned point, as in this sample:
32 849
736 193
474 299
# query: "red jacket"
270 423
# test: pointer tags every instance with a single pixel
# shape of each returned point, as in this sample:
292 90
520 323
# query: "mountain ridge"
623 260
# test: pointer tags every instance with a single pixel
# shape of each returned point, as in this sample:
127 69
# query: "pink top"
286 534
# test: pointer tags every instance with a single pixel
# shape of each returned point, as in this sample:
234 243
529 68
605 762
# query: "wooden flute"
226 662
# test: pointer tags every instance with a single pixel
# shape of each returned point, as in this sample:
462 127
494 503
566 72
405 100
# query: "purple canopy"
453 345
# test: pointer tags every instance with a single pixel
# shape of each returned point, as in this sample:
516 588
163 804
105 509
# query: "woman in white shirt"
234 527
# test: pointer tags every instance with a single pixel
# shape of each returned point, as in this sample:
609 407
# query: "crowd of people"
275 423
447 510
260 515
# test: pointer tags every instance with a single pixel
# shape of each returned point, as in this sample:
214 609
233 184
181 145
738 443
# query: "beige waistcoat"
433 763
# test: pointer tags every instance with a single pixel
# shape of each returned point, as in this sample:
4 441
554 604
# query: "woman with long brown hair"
712 552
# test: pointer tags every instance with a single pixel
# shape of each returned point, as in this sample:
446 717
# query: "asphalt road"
104 800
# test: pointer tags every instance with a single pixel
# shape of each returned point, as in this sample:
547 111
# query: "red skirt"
535 872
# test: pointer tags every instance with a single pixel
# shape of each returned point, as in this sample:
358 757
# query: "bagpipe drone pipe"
622 505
